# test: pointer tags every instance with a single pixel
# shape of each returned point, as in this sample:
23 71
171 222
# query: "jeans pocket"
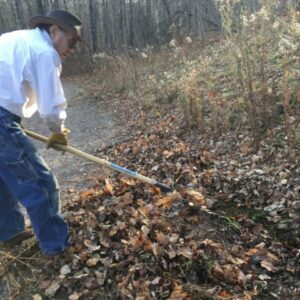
16 162
22 170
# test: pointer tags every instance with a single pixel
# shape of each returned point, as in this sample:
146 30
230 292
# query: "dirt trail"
91 124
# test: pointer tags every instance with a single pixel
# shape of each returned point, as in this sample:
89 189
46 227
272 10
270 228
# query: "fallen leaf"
128 182
224 294
177 292
266 264
156 280
65 270
74 296
193 196
257 229
168 200
108 188
92 262
167 154
52 289
161 238
91 245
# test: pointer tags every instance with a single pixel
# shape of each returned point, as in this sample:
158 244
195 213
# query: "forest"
114 25
202 96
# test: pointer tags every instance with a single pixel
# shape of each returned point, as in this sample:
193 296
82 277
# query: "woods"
203 96
114 25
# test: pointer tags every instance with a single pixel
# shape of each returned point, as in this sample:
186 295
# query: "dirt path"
92 124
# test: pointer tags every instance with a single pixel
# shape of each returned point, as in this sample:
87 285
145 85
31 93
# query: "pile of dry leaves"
230 230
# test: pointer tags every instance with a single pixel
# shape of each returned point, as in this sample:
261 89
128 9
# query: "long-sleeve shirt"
30 70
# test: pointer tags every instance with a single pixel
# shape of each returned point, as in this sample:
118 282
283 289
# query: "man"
30 65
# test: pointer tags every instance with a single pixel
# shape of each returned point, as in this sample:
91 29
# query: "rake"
102 162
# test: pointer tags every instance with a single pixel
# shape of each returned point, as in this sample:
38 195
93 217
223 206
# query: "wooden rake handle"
101 161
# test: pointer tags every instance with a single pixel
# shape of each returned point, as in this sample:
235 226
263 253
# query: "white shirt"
29 77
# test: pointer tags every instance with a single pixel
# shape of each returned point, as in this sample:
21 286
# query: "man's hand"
58 138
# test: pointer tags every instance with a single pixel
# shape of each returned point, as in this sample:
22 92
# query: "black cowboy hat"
63 19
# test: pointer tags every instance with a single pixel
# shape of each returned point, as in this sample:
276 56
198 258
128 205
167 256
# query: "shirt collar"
46 36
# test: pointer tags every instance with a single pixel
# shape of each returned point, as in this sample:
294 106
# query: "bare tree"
93 11
114 24
40 7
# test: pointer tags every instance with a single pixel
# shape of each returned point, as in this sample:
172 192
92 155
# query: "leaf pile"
129 241
230 229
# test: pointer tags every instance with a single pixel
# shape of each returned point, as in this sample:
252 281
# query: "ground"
215 237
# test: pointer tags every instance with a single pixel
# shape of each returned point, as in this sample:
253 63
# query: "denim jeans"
25 178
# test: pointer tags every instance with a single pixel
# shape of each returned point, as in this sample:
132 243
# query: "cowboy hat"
63 19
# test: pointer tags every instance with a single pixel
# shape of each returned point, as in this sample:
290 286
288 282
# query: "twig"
15 258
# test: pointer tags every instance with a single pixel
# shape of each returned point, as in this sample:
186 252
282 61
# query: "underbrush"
247 77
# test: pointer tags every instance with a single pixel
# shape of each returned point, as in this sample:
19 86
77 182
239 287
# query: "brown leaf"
257 229
247 296
44 284
91 245
173 238
52 289
242 279
171 252
186 252
224 294
193 196
161 238
165 202
230 273
178 293
266 264
74 296
92 262
136 241
128 182
206 157
167 154
108 188
156 280
155 190
86 194
150 247
126 199
113 231
145 211
168 200
218 272
137 148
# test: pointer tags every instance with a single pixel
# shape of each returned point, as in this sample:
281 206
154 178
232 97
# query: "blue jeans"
25 178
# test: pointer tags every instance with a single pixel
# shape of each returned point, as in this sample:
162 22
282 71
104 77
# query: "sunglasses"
71 42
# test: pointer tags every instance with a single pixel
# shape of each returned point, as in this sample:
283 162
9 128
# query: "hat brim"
38 20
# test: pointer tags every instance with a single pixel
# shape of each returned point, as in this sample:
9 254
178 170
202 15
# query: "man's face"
64 42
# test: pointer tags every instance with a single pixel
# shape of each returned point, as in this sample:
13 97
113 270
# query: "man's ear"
53 29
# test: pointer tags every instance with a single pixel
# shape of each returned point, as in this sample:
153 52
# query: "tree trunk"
93 11
29 8
149 24
40 7
20 12
131 25
55 4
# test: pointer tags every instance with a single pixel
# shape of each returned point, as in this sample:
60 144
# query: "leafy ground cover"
230 229
222 129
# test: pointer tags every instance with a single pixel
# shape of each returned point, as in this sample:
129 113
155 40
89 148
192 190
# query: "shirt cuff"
55 123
